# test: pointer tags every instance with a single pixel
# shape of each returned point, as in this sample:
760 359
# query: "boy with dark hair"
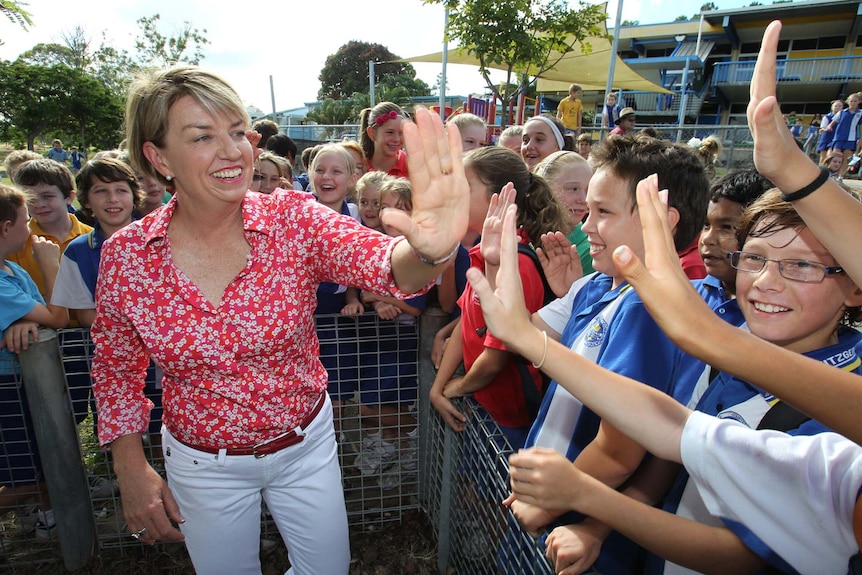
604 320
729 196
267 129
51 191
282 145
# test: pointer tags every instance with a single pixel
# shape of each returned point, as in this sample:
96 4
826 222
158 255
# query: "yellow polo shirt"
25 258
570 113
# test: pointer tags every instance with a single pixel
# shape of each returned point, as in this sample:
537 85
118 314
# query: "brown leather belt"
272 445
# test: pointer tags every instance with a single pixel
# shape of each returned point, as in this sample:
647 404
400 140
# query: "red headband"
383 118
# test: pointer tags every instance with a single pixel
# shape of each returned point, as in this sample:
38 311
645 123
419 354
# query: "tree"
523 37
16 14
37 99
156 50
706 8
333 113
74 52
631 22
438 83
346 72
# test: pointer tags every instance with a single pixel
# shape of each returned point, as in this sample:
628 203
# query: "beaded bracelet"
809 189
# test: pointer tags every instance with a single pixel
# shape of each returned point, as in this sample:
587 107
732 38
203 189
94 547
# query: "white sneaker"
410 452
375 456
45 532
101 488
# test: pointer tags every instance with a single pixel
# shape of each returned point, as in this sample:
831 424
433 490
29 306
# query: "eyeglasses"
796 270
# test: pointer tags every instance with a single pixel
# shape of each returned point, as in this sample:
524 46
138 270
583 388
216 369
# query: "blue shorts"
844 145
338 353
19 454
389 355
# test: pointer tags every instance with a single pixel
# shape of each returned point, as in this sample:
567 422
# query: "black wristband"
807 190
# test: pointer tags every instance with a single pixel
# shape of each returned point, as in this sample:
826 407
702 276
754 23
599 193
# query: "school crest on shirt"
595 334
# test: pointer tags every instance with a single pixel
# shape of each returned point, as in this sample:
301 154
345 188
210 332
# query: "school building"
708 62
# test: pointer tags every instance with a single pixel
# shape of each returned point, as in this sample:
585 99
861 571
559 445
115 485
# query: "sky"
288 41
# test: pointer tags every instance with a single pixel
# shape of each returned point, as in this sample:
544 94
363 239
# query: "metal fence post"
433 318
60 451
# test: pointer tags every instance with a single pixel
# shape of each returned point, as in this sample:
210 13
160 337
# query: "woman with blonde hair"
219 288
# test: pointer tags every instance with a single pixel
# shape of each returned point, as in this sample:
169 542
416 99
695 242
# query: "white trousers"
220 499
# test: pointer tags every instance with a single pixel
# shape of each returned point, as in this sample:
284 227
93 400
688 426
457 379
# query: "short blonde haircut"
467 119
400 188
372 179
151 98
281 164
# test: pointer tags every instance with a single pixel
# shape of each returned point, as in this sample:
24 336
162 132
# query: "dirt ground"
406 548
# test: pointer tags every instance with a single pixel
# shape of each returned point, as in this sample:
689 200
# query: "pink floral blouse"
244 371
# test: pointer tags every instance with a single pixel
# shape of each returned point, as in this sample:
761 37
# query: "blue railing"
802 70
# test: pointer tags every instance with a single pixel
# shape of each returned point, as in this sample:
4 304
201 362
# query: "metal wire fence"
466 481
396 454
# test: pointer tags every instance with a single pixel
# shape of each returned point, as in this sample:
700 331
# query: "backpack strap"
782 417
531 253
532 395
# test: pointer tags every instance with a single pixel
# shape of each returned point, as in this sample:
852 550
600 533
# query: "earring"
169 177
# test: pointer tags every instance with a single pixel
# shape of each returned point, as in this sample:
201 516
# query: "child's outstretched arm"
659 419
833 216
542 477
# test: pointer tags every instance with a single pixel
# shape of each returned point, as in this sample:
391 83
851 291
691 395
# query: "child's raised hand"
660 281
440 191
503 308
775 149
492 229
45 252
253 136
560 261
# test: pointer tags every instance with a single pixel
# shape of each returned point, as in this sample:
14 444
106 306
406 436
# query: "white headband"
557 135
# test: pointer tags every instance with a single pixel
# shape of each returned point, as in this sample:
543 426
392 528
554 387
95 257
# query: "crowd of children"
631 459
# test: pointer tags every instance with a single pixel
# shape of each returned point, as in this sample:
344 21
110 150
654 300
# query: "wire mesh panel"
373 368
25 538
76 348
466 480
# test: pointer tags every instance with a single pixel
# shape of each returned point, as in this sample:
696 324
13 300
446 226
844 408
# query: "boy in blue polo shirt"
604 320
22 310
109 192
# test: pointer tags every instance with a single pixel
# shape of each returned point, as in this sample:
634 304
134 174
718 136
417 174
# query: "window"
832 42
805 44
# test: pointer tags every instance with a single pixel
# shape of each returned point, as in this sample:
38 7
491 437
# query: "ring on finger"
138 534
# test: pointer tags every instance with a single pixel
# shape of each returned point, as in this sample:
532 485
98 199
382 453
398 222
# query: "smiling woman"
218 287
